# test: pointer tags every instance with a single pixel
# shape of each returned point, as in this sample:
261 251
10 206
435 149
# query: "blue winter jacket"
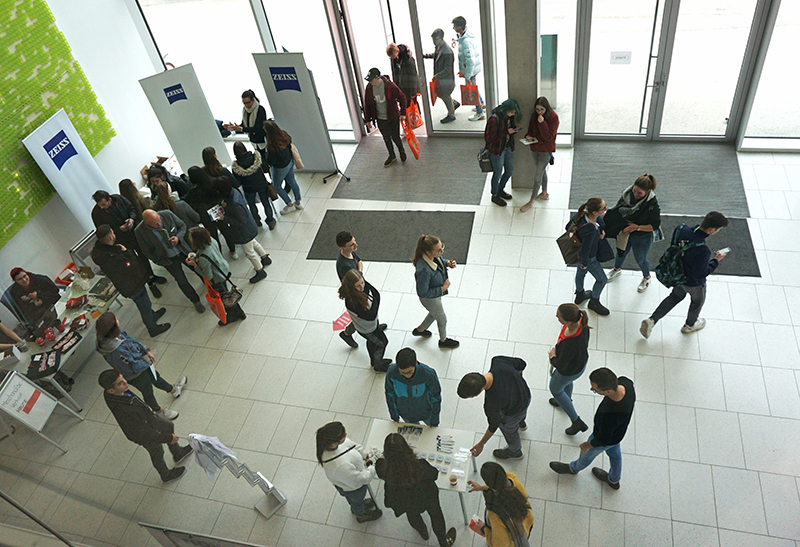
429 282
238 223
590 237
697 261
415 399
125 354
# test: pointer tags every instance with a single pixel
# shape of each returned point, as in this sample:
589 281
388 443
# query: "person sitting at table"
411 488
508 512
35 295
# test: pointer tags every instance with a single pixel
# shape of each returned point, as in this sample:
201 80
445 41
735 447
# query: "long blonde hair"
425 244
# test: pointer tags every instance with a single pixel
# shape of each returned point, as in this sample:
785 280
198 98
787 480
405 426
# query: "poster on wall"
293 99
181 107
66 162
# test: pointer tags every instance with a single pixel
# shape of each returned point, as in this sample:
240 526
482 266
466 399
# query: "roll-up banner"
293 99
66 162
180 106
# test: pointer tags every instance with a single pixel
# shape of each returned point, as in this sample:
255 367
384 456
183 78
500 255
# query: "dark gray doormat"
741 261
693 179
447 172
391 236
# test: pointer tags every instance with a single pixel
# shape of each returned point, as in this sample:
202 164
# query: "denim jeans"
144 383
142 301
502 169
287 174
697 295
478 108
355 498
596 269
251 202
561 388
640 243
509 427
614 459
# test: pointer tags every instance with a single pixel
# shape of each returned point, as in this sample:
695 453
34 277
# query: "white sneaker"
298 205
476 117
234 255
699 324
647 327
167 413
613 274
643 284
288 209
179 387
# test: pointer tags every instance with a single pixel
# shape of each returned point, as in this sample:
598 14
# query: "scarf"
628 206
249 114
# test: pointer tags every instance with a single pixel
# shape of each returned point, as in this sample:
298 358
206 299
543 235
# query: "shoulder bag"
231 297
570 245
484 162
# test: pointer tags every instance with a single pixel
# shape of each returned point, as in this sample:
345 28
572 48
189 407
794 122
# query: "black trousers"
175 269
437 522
390 131
156 452
376 345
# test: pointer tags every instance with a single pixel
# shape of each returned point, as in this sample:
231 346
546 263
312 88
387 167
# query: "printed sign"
620 57
24 401
60 149
175 93
284 78
342 321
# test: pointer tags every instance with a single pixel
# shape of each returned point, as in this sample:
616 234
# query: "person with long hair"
203 196
247 171
281 162
544 128
411 488
183 210
432 285
362 301
253 117
499 141
594 249
508 512
128 190
214 169
213 266
348 468
568 361
632 222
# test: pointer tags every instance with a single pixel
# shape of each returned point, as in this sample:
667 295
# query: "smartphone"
724 251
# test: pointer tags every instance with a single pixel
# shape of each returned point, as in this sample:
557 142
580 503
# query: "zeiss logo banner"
175 93
285 78
60 149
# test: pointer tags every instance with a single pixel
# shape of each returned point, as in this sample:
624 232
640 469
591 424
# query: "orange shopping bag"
215 301
413 141
434 85
413 116
469 94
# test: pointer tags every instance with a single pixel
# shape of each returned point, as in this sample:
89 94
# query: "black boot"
597 307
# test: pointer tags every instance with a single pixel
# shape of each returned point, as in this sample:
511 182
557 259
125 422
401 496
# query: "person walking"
698 264
404 71
412 389
348 468
508 516
610 425
499 141
247 170
384 104
469 61
568 361
443 74
632 223
362 301
594 250
432 285
543 128
281 162
411 489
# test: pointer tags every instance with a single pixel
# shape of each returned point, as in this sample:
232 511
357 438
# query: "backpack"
670 271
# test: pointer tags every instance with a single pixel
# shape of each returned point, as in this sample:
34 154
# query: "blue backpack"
670 271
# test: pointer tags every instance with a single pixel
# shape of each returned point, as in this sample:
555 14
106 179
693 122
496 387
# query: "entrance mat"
741 261
391 236
447 172
693 178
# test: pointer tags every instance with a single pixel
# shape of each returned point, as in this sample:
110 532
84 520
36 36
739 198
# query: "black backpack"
670 271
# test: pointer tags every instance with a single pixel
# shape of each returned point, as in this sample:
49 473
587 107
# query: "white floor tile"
714 429
692 493
781 505
778 434
739 503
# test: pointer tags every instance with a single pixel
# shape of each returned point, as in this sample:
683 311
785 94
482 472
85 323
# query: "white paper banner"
180 106
68 165
293 100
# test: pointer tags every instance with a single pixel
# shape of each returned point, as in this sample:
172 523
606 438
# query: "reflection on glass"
191 32
710 42
776 110
618 57
558 19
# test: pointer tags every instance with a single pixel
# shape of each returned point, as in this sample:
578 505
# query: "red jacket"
395 102
544 132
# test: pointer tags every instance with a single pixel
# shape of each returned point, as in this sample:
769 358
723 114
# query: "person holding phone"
432 285
499 137
542 129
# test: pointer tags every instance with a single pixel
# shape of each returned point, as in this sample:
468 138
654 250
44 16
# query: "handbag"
215 301
484 162
298 161
271 192
570 245
469 94
229 298
433 85
413 116
413 141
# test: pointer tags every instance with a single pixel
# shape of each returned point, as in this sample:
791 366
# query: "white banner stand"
66 162
293 99
181 107
26 403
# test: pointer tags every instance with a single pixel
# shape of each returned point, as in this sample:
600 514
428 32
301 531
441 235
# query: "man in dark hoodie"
404 71
126 272
385 104
247 170
141 426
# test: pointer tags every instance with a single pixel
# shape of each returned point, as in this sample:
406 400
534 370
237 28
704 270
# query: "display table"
425 443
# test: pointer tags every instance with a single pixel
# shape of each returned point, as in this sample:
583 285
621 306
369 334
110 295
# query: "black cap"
372 74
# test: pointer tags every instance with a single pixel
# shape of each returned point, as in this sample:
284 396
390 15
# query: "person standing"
346 260
594 249
698 264
443 75
281 162
469 61
505 403
348 468
141 426
247 170
432 285
362 301
508 511
499 138
253 117
568 361
384 104
412 390
610 424
183 210
404 71
543 127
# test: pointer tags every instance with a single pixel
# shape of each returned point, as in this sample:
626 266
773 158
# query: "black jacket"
509 393
115 216
572 353
280 158
412 498
366 314
139 424
123 268
45 290
247 171
256 131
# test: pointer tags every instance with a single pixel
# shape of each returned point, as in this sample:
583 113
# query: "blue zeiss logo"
60 149
285 78
175 93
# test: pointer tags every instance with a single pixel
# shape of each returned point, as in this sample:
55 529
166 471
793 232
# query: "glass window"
557 22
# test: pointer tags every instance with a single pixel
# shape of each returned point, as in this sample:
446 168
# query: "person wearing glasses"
412 390
594 250
610 424
253 117
432 285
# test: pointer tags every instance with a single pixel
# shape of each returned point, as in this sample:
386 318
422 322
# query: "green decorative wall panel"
38 77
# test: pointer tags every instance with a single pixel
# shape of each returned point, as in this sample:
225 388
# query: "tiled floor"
709 459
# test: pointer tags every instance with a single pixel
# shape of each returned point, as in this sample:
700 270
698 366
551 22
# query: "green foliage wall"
38 77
